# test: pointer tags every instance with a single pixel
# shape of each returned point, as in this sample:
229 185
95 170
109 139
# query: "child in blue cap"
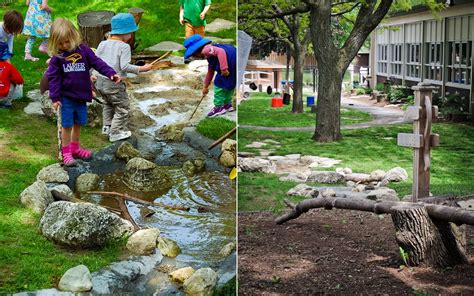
222 60
116 52
9 77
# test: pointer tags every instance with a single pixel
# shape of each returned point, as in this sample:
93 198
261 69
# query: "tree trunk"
93 26
328 106
298 81
137 13
429 243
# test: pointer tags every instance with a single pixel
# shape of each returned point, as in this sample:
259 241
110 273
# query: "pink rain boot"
68 160
43 47
79 152
29 57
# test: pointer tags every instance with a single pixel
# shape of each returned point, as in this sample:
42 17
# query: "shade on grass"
257 111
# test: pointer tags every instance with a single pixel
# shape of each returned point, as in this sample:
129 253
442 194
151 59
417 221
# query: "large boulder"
181 274
64 189
143 175
325 177
168 247
76 279
201 283
229 145
303 190
87 182
396 175
227 159
36 197
251 164
53 174
126 151
143 242
383 194
82 225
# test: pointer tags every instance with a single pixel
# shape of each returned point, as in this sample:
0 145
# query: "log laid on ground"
222 139
93 26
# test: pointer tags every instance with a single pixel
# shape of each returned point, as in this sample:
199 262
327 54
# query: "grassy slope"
364 151
27 143
258 111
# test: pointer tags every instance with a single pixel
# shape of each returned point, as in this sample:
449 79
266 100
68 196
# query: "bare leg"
76 133
66 135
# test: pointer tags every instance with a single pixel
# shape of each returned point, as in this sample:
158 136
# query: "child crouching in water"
117 53
70 86
221 59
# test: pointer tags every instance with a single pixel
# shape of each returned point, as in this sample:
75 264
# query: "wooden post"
137 13
422 114
93 26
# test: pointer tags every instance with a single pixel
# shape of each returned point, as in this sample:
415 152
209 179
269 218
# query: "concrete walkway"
381 115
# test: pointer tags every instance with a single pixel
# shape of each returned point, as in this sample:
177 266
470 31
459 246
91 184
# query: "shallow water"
202 233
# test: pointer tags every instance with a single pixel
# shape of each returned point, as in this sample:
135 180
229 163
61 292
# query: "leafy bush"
368 90
452 104
410 100
360 91
400 94
379 87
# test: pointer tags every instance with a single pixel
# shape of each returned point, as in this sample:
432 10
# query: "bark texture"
93 26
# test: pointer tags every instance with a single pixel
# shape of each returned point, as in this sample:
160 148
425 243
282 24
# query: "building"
417 46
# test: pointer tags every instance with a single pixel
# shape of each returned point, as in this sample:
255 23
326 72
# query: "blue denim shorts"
73 112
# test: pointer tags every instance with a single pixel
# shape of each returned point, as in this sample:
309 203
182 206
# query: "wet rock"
303 190
383 194
250 164
227 159
36 197
396 175
188 168
126 151
172 132
143 242
325 177
137 119
377 175
199 165
82 225
202 282
53 174
358 178
168 247
87 182
227 249
64 189
76 279
144 175
146 212
229 145
181 274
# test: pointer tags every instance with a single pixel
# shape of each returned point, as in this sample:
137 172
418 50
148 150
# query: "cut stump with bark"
137 13
428 242
94 25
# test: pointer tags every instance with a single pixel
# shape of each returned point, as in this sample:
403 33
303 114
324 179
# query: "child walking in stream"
222 60
117 54
70 87
37 25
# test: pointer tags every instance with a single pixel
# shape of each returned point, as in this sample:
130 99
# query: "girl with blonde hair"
70 86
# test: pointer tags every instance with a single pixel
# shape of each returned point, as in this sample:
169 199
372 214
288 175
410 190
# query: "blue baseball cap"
193 43
123 23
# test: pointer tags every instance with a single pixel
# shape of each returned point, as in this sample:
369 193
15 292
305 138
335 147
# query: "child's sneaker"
29 57
106 130
68 160
228 107
79 152
216 111
120 136
43 48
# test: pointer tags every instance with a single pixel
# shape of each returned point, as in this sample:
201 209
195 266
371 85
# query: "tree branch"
345 11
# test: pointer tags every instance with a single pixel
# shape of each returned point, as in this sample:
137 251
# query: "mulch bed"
336 252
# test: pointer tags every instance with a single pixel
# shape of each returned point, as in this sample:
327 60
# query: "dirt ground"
337 252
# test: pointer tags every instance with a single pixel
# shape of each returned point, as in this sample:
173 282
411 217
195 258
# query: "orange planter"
277 102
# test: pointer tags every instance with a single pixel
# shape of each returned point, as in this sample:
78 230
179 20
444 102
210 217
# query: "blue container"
309 101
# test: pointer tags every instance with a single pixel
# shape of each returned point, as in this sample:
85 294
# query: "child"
221 59
70 86
192 14
37 24
12 24
116 53
9 77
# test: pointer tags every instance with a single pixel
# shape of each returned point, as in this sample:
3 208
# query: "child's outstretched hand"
56 105
205 90
225 72
116 78
145 68
202 15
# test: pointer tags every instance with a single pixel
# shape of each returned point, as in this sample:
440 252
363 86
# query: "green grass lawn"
363 150
257 111
215 127
28 143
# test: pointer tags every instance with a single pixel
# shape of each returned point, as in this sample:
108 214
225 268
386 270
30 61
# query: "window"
396 60
459 62
413 60
382 57
433 60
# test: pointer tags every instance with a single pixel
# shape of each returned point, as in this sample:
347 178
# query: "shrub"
379 87
410 100
368 90
453 104
360 91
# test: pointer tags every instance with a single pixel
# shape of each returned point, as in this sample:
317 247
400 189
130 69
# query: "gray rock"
87 182
220 40
36 197
350 184
377 175
171 132
295 177
227 159
396 175
250 164
168 247
466 204
229 145
82 225
227 249
245 154
53 174
383 194
293 156
143 242
201 283
76 279
325 177
143 175
126 151
219 24
64 189
166 46
328 193
358 178
303 190
256 144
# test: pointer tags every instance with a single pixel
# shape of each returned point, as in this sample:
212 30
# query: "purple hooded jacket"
69 75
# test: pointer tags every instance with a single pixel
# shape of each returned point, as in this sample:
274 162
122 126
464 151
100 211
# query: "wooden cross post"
422 115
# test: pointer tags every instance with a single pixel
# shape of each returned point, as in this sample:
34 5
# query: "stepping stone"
166 46
219 25
220 40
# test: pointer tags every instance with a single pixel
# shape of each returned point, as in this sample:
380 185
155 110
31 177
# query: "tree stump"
137 13
93 26
427 241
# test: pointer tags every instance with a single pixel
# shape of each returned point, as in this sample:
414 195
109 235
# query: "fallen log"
140 201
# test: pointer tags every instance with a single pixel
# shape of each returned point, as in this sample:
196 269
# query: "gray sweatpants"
116 104
7 101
